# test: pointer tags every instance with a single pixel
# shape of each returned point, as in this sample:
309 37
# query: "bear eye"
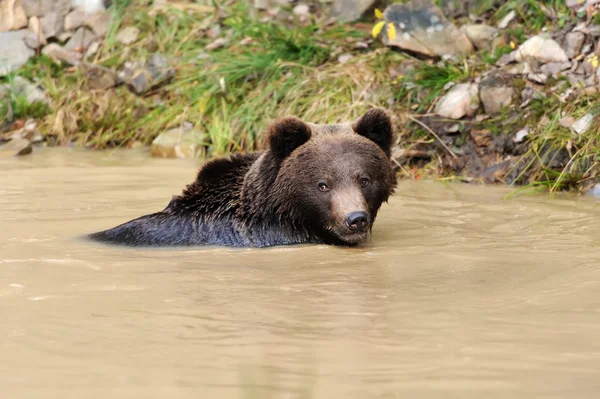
323 187
364 182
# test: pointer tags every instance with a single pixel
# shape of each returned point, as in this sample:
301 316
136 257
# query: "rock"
75 19
572 43
93 49
495 93
89 6
521 134
218 43
422 28
100 23
342 59
81 39
142 78
503 24
63 37
461 100
554 68
13 51
541 49
481 35
39 8
59 54
580 4
99 77
21 87
16 147
12 15
128 35
52 24
301 10
176 143
594 191
349 10
583 124
481 137
566 121
36 37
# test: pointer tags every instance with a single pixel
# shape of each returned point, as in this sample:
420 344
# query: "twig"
424 126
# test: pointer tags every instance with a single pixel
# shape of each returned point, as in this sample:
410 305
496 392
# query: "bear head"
332 179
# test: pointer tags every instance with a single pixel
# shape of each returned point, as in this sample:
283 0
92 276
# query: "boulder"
461 100
13 51
481 35
12 15
495 93
177 143
421 27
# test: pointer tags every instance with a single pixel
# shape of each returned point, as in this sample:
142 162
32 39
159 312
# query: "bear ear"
376 125
287 134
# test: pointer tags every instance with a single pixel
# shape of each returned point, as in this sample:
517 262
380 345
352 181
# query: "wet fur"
270 198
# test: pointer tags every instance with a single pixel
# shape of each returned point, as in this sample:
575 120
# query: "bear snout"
357 221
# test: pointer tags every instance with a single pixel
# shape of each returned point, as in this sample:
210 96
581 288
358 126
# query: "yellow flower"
377 28
512 45
391 31
378 13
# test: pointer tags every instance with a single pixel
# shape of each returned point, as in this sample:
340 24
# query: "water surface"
460 293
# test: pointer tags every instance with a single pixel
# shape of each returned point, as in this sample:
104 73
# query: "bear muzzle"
357 222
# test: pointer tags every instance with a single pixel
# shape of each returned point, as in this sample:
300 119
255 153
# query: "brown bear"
313 184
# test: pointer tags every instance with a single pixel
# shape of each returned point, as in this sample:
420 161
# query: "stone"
461 100
89 6
594 191
39 8
14 53
12 15
22 87
128 35
342 59
81 39
542 49
581 4
521 134
573 43
176 143
481 35
583 124
16 147
218 43
75 19
503 24
566 121
421 28
63 37
554 68
349 10
36 37
60 54
481 137
301 10
99 77
495 93
141 78
99 23
93 49
52 24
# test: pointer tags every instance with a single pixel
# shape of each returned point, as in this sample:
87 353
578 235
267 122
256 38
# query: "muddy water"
460 294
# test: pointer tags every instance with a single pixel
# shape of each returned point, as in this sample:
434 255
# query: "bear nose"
357 221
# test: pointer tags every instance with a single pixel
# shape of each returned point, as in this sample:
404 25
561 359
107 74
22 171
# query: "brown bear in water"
314 184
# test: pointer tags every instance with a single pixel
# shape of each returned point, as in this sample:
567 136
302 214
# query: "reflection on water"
459 294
